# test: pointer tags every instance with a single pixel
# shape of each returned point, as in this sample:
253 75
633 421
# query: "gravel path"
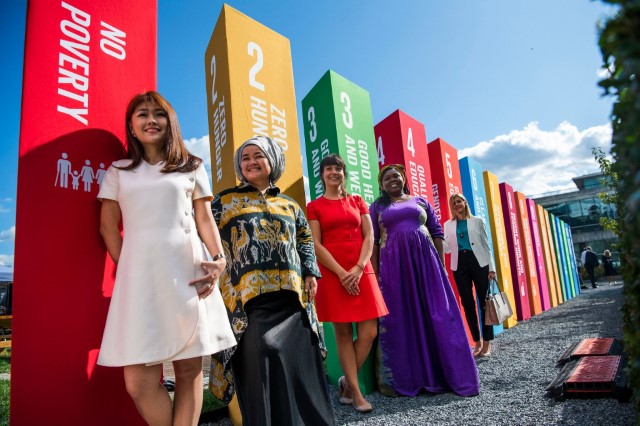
513 380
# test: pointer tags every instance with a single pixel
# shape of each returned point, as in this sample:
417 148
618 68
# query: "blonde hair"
467 212
607 253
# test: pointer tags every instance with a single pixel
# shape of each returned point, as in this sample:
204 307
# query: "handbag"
496 306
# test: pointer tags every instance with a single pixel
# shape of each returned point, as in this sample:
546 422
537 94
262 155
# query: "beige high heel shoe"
478 348
342 389
486 349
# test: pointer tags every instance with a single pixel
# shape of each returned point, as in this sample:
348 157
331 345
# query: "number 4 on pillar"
401 139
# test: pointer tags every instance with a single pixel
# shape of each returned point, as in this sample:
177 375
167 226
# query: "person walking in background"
583 255
465 237
422 342
348 291
609 270
166 306
590 263
583 258
269 281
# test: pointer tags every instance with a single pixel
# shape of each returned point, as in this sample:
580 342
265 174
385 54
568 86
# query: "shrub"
620 46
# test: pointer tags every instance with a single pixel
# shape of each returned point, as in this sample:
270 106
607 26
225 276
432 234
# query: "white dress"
155 315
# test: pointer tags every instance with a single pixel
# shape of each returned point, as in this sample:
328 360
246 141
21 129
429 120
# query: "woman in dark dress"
609 270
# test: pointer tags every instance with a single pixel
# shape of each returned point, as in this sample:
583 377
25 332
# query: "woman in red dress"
348 291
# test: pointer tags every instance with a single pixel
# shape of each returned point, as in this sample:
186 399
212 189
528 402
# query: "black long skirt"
277 365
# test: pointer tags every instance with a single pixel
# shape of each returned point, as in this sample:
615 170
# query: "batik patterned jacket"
268 245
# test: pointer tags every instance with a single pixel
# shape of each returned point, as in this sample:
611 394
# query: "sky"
513 84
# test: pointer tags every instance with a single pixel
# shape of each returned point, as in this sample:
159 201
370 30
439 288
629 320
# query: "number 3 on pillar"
347 118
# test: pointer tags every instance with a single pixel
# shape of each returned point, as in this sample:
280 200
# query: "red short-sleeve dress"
341 227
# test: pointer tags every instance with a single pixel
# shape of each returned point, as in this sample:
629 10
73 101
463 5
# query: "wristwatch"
218 256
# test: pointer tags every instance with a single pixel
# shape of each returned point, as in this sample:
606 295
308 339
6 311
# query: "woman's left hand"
205 285
310 287
492 275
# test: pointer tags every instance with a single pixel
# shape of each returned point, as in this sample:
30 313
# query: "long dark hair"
176 156
384 200
334 160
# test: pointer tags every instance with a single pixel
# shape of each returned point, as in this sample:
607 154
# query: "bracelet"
360 267
218 256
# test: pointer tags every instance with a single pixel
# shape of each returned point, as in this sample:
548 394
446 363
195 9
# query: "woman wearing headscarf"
422 342
472 264
268 287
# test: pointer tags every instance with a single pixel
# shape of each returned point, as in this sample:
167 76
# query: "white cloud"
536 161
6 259
603 73
200 147
8 235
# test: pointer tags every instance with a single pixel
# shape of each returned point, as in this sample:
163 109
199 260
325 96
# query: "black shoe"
595 286
584 287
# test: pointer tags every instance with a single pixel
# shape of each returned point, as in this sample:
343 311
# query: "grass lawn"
4 402
5 361
5 366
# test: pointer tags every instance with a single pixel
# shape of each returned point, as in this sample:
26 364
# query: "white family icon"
64 171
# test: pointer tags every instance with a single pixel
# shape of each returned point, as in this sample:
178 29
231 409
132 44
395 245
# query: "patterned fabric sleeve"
434 227
216 208
220 374
373 211
304 246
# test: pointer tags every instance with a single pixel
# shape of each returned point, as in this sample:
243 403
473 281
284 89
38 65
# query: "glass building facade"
583 215
582 209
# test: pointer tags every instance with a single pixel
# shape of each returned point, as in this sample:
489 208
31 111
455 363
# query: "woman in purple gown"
422 342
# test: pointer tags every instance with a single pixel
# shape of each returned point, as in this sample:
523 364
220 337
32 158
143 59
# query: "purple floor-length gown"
422 342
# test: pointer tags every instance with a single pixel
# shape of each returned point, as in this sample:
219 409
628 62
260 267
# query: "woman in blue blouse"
472 264
268 288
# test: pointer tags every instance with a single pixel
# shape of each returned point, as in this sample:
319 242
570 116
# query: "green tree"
611 182
620 46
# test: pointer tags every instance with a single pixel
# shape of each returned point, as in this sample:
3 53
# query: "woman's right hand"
205 285
350 280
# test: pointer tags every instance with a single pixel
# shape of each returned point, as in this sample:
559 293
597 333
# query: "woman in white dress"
166 305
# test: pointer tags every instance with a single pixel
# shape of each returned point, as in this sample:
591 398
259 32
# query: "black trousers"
470 273
277 366
592 274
